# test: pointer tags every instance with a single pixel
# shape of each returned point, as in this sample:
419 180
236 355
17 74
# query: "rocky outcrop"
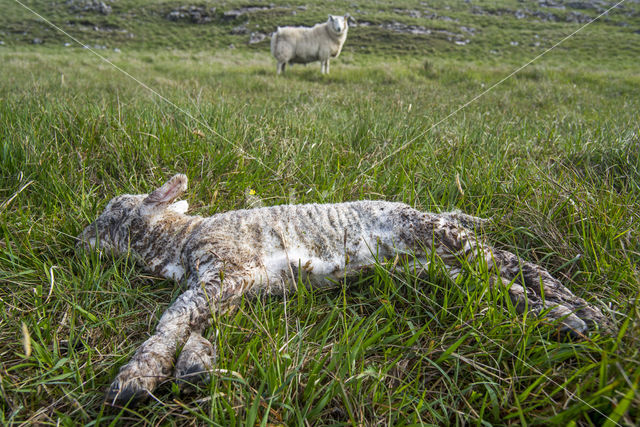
192 14
99 6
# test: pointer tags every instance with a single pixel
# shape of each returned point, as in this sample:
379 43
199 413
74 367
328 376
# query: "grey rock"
174 15
192 14
578 17
399 27
236 13
89 6
257 38
550 4
545 16
469 30
586 5
240 29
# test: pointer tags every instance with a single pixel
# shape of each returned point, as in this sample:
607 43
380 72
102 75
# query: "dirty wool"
269 250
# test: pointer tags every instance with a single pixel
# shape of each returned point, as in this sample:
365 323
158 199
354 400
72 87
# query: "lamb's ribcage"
318 243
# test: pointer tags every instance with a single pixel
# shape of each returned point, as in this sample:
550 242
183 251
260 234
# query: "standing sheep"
268 250
302 44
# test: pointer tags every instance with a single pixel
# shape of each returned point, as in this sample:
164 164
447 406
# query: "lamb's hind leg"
536 288
530 286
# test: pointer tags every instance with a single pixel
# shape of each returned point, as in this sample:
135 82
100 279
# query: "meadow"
551 155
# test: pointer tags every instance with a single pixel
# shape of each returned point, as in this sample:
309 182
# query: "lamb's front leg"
154 360
196 361
198 355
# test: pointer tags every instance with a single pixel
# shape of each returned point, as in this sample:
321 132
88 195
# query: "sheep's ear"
330 17
349 19
164 196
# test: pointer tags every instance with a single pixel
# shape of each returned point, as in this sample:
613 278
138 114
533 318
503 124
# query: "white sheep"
303 44
268 250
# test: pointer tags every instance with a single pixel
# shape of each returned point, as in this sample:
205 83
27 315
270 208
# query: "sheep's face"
338 24
112 229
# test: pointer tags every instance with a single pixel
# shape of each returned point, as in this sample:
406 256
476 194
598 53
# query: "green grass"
552 155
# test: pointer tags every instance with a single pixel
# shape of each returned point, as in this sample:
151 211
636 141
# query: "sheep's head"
338 24
129 214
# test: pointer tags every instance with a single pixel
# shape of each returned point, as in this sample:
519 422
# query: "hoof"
192 377
195 374
572 328
127 396
568 334
596 321
195 362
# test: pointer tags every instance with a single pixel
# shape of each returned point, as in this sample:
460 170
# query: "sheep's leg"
533 288
153 361
537 288
280 67
196 360
198 355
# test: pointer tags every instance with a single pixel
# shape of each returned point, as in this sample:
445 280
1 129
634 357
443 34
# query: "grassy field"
552 155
